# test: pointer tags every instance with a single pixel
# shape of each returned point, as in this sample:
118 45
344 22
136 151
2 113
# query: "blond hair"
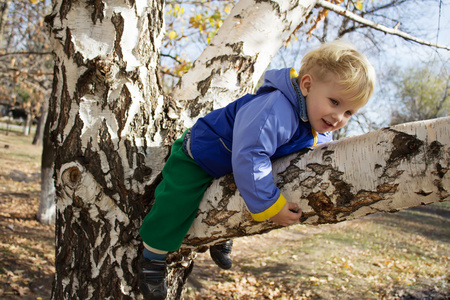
352 68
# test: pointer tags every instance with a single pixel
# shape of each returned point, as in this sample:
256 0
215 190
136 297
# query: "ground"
385 256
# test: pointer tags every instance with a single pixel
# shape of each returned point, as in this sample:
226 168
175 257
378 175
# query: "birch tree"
111 128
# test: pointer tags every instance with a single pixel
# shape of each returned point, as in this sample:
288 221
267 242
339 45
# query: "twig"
339 10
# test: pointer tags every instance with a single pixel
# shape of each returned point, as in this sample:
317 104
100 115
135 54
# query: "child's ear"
305 84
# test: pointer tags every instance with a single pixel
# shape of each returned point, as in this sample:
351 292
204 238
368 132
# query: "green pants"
177 199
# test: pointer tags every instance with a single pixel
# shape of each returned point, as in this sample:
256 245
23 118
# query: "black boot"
152 281
220 253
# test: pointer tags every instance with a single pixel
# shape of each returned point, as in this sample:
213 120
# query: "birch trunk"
106 120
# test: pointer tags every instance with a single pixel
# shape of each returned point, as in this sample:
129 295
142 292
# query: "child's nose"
338 117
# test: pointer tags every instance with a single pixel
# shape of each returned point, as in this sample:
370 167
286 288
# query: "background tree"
26 64
26 72
421 93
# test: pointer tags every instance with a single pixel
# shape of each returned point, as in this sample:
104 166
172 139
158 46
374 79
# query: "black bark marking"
310 182
440 170
218 216
328 212
290 174
203 86
342 188
423 193
323 206
71 148
195 109
319 168
97 13
229 189
405 146
68 45
120 108
326 156
435 150
118 22
237 47
66 6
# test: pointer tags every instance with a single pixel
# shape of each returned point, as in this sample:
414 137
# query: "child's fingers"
293 207
289 215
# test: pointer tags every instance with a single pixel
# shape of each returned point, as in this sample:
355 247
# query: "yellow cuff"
271 211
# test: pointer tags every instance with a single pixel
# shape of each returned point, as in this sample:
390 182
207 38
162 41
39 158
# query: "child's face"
327 105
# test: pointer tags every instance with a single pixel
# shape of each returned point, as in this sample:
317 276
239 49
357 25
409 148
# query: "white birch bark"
47 207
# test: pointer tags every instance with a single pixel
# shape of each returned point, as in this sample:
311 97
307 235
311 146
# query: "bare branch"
339 10
26 53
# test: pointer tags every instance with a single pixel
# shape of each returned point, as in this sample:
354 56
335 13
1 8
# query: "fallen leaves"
26 246
370 258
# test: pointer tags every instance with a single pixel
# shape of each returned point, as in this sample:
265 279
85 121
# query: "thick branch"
342 11
383 171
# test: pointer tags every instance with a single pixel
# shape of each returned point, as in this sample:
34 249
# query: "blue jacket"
244 136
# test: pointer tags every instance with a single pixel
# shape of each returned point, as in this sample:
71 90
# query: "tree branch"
382 171
339 10
26 53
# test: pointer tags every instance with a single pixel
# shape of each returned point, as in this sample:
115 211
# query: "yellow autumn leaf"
172 34
359 4
34 1
198 17
227 9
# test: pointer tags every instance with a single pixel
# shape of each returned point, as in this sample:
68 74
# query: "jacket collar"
302 100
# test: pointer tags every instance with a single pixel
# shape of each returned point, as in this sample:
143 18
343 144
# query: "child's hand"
288 215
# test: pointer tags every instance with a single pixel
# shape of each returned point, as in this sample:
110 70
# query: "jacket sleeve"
261 126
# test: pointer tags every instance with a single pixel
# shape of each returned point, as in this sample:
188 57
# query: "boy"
288 113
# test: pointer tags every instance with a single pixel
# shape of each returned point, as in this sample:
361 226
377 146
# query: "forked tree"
111 128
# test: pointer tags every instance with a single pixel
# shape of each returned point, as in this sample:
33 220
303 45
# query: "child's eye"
335 102
348 113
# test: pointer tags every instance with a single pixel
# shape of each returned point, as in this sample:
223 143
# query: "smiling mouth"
327 123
